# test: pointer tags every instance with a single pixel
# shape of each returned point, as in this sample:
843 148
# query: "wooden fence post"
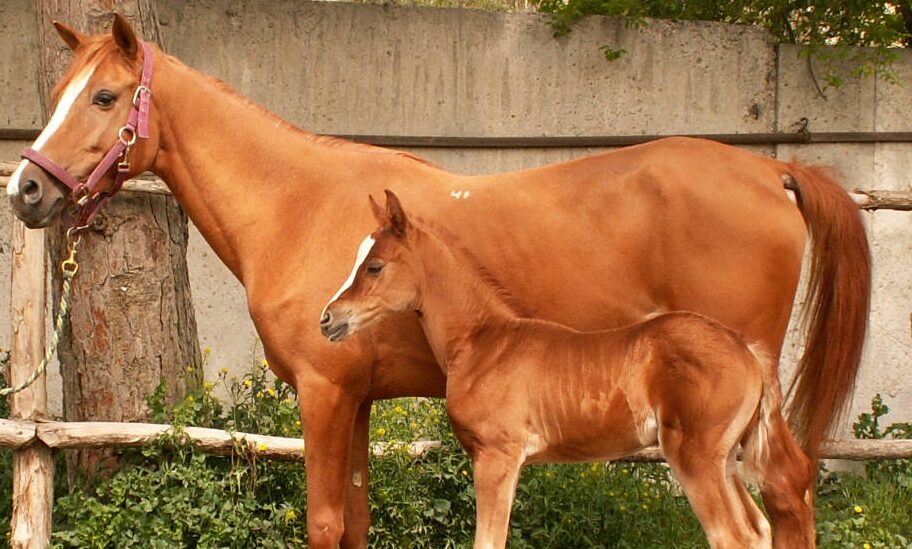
33 465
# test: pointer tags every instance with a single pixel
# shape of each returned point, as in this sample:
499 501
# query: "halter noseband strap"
90 201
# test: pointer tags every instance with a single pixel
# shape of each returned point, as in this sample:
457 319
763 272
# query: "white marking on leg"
460 195
356 479
363 250
67 99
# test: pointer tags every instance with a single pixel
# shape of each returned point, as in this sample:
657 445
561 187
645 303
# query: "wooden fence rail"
101 434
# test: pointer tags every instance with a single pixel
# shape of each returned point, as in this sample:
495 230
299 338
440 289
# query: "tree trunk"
131 317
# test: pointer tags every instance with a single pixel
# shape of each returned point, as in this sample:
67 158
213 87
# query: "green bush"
168 495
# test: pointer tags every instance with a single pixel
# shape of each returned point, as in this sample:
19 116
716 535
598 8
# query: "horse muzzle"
333 329
34 196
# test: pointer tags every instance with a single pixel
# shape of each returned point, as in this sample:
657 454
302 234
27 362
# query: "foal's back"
579 396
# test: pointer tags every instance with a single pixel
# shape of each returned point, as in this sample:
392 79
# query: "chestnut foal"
528 391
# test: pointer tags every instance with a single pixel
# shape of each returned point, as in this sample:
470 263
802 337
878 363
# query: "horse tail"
835 315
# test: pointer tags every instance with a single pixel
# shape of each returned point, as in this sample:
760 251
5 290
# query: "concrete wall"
368 69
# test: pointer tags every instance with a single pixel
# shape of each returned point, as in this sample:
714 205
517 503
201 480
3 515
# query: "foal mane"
490 280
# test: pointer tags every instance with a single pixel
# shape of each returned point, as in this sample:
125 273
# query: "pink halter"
90 201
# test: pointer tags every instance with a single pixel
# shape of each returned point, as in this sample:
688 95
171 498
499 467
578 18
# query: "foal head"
385 278
93 102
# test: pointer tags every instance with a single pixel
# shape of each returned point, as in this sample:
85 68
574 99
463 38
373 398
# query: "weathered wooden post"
33 465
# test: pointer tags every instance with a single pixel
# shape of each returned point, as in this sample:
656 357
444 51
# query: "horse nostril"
327 318
30 192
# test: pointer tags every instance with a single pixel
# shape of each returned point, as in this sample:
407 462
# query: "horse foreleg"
787 486
328 418
357 506
496 475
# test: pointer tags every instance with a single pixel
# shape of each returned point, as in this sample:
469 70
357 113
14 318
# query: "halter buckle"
140 90
81 194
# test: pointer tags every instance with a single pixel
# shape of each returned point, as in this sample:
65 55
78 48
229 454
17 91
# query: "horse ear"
71 36
379 213
124 36
395 214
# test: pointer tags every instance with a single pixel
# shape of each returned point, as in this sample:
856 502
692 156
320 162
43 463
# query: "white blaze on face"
363 250
67 99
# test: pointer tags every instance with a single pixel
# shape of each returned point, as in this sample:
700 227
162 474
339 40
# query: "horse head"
383 280
89 145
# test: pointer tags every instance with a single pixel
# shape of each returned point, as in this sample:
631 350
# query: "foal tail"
755 443
836 312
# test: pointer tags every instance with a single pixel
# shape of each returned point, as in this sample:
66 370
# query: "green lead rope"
69 268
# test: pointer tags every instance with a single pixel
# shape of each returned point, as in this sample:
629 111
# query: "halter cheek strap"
89 200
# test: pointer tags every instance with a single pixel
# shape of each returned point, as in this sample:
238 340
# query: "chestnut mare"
531 391
677 224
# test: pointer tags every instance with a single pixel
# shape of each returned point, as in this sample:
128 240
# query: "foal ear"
395 214
71 36
124 36
379 212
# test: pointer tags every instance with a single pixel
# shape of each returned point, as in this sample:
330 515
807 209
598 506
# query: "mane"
322 140
452 241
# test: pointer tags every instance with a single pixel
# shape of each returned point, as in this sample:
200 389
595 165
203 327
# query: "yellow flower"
399 410
380 432
290 515
208 385
248 383
265 363
259 394
190 369
464 473
207 350
189 398
223 371
866 545
271 392
261 447
858 509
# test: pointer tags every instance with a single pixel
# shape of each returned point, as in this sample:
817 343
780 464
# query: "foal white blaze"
363 250
67 99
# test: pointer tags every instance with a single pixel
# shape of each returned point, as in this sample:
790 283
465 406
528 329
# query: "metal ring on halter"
120 133
139 90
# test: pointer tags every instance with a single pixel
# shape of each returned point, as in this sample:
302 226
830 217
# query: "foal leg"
357 506
496 474
757 519
704 472
787 487
328 418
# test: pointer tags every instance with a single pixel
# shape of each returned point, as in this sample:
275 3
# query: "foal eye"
374 268
104 99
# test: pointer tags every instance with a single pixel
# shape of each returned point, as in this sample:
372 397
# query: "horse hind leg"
786 484
784 473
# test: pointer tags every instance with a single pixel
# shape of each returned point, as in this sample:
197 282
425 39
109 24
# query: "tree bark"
131 315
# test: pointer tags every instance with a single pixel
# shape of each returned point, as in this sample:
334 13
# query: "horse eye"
104 99
374 268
